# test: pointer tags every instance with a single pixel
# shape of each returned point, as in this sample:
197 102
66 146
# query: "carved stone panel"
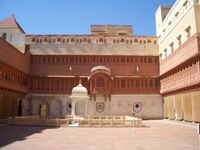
99 107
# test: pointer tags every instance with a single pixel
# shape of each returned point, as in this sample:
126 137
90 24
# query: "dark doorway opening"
20 106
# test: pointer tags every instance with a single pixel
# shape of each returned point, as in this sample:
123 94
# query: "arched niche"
79 94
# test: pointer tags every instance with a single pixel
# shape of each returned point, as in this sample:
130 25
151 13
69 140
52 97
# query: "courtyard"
155 135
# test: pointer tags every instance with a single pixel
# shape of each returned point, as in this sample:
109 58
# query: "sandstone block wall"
58 105
185 106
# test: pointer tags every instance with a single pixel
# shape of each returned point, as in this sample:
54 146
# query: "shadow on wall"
10 134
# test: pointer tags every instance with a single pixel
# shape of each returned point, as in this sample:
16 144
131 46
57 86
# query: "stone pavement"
157 135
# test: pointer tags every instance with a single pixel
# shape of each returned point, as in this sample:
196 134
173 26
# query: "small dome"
79 90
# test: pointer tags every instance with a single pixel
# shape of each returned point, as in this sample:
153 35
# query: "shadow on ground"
10 134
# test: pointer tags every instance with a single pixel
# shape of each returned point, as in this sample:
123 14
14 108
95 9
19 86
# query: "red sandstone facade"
59 74
40 72
184 74
14 77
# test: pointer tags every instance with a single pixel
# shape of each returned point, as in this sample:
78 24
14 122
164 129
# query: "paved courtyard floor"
157 135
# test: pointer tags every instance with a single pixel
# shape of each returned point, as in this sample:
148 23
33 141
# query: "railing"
111 121
92 121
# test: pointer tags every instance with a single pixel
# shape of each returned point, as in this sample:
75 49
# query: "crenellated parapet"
90 39
92 45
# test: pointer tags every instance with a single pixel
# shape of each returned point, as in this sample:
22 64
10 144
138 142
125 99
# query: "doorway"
20 107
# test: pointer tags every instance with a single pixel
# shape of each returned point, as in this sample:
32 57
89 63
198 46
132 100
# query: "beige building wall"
15 37
151 105
161 14
178 104
171 108
180 20
183 106
165 107
187 107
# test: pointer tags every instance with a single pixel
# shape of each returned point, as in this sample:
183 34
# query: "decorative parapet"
90 39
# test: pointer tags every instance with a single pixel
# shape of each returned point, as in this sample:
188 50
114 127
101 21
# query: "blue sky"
76 16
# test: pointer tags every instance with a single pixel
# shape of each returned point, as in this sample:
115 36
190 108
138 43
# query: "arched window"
45 40
33 40
4 36
149 41
101 40
135 41
72 40
85 40
58 40
122 40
